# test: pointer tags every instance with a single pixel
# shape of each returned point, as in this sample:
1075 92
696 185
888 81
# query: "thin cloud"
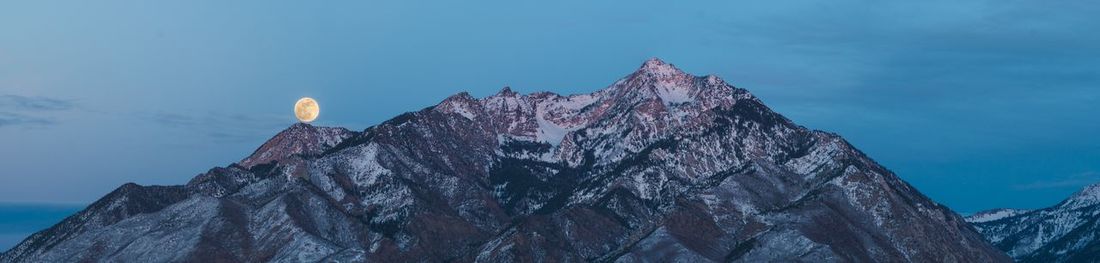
214 119
16 110
15 119
24 103
219 127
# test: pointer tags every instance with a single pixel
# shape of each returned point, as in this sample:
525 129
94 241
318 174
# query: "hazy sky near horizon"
979 104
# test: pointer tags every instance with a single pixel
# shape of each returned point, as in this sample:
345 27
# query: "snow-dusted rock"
660 166
1066 232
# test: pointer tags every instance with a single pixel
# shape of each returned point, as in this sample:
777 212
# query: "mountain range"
660 166
1066 232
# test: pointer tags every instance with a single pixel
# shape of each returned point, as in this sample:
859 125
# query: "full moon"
306 109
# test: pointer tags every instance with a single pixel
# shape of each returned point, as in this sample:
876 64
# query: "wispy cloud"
25 103
174 120
16 110
1074 181
15 119
220 127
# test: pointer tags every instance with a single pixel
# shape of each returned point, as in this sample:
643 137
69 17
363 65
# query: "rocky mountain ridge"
1066 232
660 166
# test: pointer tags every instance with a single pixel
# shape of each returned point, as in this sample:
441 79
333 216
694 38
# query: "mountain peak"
1090 195
299 126
656 66
1061 233
507 91
299 138
654 62
1091 190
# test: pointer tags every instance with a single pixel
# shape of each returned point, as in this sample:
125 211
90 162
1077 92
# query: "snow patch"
462 110
994 215
548 131
578 102
366 167
673 94
821 156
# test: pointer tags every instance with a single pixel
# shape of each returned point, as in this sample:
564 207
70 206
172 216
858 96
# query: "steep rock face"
1066 232
660 166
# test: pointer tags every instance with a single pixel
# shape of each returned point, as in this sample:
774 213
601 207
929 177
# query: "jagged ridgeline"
661 166
1066 232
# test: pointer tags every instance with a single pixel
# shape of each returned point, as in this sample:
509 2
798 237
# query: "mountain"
1066 232
660 166
994 214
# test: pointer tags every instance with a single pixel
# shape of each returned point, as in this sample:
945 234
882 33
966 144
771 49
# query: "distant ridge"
1066 232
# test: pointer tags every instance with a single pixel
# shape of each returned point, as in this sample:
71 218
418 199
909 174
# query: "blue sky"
979 104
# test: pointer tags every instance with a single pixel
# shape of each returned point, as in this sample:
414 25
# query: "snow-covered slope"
1066 232
995 214
660 166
